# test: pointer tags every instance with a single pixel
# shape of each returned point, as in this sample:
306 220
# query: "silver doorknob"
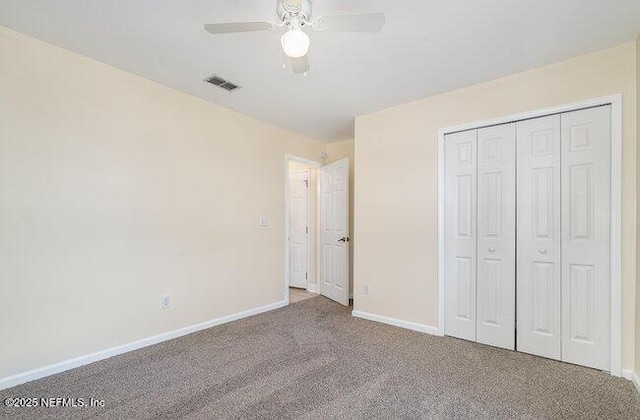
543 251
492 249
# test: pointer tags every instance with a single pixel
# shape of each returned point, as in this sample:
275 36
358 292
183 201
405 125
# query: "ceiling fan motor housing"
290 8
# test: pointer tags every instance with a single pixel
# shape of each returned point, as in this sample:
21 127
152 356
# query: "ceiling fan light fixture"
295 43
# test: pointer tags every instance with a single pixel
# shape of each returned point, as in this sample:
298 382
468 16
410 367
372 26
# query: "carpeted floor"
313 360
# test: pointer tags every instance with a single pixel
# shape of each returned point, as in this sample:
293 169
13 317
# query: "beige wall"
336 151
396 180
115 190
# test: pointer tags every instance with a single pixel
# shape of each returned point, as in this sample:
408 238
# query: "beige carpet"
313 360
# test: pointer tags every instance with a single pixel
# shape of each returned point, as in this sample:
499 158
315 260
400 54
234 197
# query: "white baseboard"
398 323
312 288
32 375
632 376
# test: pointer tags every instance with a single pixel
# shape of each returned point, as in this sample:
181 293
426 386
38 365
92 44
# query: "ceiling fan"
294 15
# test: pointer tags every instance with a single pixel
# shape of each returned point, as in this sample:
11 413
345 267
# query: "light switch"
264 222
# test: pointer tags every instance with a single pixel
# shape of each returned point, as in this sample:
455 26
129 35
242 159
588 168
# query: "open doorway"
301 229
317 239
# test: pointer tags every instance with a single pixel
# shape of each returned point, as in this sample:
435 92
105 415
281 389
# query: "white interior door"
334 231
298 228
586 201
496 249
538 261
460 235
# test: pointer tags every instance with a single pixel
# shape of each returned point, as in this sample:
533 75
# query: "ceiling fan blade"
300 65
227 28
370 22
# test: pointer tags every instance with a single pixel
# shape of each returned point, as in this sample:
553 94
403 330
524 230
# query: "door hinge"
306 230
306 276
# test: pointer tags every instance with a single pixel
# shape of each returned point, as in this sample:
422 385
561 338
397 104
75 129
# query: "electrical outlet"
165 302
366 288
263 221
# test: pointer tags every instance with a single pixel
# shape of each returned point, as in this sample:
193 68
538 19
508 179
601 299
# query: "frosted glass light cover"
295 43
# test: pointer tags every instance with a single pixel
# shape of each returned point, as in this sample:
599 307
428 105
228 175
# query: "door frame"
312 164
616 207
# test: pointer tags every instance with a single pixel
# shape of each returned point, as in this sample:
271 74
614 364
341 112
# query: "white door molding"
312 164
616 207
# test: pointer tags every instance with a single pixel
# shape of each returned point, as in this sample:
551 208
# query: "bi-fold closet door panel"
586 230
480 235
460 234
539 231
496 245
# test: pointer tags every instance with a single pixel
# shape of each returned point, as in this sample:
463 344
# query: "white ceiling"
426 47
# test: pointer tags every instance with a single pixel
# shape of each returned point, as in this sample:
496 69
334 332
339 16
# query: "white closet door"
460 235
496 284
538 261
586 198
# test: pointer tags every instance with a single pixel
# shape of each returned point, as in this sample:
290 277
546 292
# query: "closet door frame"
616 207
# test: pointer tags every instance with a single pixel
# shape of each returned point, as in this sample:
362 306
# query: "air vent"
222 83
